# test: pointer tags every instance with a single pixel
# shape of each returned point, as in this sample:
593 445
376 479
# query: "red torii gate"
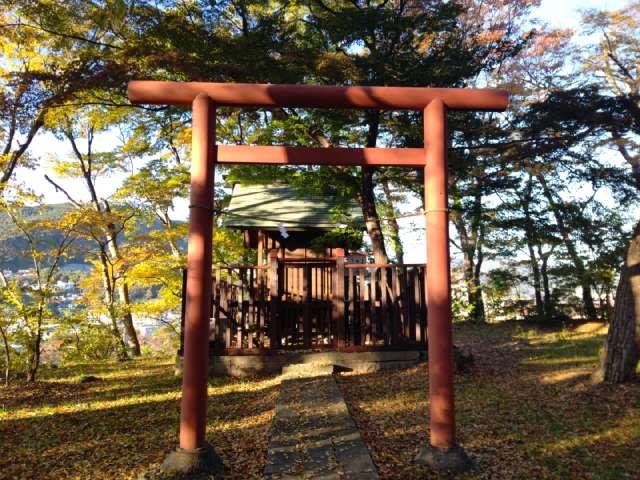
194 453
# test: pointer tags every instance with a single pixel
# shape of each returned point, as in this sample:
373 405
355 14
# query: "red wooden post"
443 452
182 310
362 293
307 291
196 348
338 298
194 454
274 300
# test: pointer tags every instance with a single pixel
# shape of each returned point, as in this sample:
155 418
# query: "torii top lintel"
316 96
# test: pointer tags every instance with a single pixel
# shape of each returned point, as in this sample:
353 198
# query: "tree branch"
60 189
60 34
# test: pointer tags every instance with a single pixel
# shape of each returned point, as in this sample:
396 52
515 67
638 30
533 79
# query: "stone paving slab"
313 434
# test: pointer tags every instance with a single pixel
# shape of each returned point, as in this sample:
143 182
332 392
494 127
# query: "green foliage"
460 307
65 67
501 293
345 237
83 339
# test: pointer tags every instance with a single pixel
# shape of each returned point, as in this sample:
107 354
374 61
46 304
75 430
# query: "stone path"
313 434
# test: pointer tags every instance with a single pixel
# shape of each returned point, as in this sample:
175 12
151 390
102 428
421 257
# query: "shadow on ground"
117 426
525 410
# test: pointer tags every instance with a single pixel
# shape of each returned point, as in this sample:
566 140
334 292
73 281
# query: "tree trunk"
471 272
537 286
34 362
123 292
368 200
549 307
471 241
12 158
393 225
606 309
478 301
168 223
622 346
123 354
127 318
581 271
530 238
371 218
85 163
7 356
109 301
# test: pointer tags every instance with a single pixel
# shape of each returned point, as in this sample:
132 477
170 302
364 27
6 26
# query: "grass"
120 425
526 409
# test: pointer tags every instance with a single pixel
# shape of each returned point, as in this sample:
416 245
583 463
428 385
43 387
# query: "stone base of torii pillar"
185 462
453 460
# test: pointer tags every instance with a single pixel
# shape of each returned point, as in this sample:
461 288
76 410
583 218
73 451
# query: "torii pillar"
194 454
442 453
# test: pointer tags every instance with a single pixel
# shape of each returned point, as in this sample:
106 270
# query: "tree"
613 62
31 300
106 226
85 338
4 330
52 52
330 42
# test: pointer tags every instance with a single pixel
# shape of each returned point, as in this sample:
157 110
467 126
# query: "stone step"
313 435
307 370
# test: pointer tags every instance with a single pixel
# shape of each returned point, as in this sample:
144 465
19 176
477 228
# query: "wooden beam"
316 96
397 157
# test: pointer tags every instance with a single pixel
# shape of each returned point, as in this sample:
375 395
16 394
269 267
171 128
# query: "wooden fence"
302 305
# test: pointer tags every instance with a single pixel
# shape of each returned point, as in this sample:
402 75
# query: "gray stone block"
453 460
312 421
183 462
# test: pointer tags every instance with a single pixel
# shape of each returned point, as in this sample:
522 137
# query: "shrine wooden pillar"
274 300
337 299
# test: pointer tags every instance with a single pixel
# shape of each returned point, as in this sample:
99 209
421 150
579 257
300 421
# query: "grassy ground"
116 427
525 410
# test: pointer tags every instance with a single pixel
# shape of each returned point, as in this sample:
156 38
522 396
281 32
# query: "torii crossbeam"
194 453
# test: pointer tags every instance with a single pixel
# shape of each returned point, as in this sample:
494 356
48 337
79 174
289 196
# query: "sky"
565 13
556 13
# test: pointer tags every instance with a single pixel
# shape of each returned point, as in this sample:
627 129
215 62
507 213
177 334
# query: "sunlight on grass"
565 375
526 409
222 386
69 429
560 361
92 405
108 370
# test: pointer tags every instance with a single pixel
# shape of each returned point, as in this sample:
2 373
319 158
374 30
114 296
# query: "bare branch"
60 189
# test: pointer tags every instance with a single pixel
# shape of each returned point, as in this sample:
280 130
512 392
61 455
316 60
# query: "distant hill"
13 245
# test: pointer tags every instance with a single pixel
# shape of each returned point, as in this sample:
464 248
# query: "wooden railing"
385 305
317 304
